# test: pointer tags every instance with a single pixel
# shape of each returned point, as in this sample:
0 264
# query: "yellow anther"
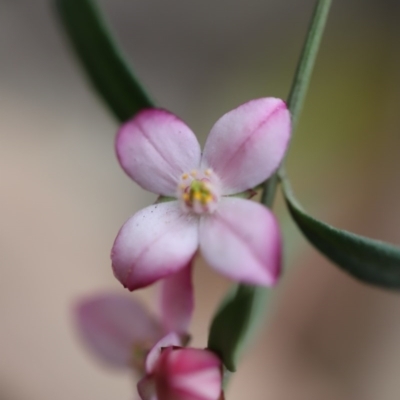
186 196
185 176
208 172
208 198
197 196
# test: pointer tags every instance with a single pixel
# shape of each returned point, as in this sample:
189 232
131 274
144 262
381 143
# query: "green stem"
301 82
269 190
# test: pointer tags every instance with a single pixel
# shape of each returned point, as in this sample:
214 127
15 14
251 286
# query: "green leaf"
369 260
101 58
235 321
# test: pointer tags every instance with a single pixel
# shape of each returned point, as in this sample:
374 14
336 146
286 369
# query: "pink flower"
237 237
182 374
120 332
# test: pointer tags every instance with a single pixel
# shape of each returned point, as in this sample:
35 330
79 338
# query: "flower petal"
111 325
247 144
157 241
177 301
242 241
155 148
188 374
147 388
170 340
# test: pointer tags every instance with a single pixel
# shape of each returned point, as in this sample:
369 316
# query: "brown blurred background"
64 197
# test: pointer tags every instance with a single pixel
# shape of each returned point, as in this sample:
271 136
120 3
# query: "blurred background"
64 197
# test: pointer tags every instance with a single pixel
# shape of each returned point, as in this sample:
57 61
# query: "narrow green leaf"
101 58
369 260
234 322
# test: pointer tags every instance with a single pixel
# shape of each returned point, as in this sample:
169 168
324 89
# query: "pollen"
198 196
198 191
208 198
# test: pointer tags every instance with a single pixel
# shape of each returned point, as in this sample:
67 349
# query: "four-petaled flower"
237 237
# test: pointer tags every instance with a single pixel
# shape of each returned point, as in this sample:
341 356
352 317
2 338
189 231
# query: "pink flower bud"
183 374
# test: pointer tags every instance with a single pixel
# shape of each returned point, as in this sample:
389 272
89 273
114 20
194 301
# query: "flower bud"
184 374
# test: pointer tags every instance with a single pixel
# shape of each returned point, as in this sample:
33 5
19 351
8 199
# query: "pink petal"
155 148
241 240
110 325
157 241
147 388
188 374
177 301
172 339
246 145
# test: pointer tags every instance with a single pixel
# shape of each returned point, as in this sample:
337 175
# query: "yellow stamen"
185 176
208 198
197 196
186 197
208 171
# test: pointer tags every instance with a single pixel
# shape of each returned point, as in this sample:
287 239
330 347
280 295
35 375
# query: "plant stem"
301 83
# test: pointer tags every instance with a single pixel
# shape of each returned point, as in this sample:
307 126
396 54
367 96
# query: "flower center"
198 191
139 353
